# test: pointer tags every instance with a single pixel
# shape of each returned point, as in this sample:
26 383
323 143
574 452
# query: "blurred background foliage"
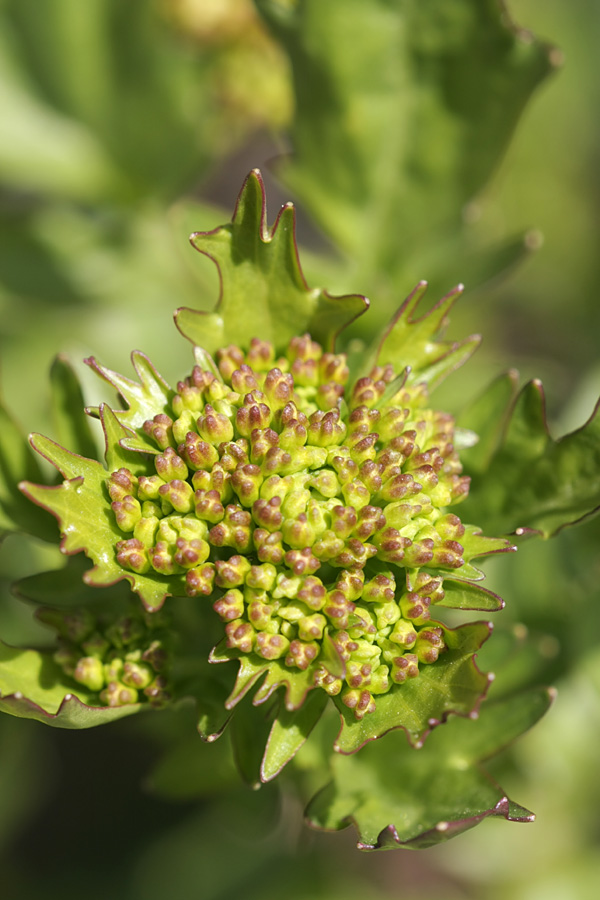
125 126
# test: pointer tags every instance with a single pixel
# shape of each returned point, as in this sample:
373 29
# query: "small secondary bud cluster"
124 661
269 471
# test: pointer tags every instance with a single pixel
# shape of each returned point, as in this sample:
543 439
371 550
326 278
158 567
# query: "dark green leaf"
534 482
18 462
403 111
396 796
71 423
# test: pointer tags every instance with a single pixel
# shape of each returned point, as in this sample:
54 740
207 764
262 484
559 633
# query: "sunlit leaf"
263 292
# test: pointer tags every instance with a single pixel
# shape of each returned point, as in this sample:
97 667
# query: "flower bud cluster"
296 504
124 660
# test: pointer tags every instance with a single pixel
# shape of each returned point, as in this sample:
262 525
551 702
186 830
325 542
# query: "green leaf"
249 732
289 732
465 595
398 796
33 686
486 416
65 587
18 462
411 342
263 292
152 395
81 505
71 423
533 482
403 111
453 684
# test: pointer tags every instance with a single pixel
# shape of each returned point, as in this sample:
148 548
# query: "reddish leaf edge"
265 235
432 722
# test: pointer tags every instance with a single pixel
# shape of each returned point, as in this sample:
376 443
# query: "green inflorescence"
297 503
125 660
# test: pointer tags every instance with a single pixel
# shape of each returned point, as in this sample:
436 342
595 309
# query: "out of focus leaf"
396 796
71 423
531 481
33 686
16 463
263 292
192 769
403 111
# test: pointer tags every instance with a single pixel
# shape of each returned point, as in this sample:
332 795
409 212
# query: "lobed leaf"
82 507
396 796
412 343
263 292
528 481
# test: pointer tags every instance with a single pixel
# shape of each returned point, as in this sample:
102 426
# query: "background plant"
90 233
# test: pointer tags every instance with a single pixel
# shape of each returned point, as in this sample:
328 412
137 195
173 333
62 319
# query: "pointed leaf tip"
262 264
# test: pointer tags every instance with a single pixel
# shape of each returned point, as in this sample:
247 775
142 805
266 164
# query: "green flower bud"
278 388
261 577
403 634
89 671
121 484
234 531
184 423
361 702
301 654
117 694
415 607
430 643
240 636
148 488
302 562
260 355
133 555
138 675
246 482
271 646
403 667
170 466
231 572
160 429
127 512
253 414
196 453
177 495
200 580
311 628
